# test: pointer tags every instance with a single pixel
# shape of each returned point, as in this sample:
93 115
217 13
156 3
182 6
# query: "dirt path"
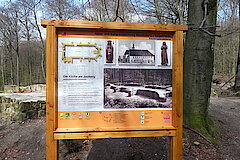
23 141
27 141
226 111
130 149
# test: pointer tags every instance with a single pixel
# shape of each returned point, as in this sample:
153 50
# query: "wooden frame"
175 132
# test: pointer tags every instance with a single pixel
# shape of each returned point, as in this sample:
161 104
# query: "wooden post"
177 79
51 93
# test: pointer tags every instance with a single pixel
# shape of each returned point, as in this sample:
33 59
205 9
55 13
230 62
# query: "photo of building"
136 52
137 56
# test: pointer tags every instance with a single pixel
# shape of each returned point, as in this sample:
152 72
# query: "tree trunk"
237 79
2 68
17 60
28 34
17 49
18 71
42 45
198 63
11 66
29 63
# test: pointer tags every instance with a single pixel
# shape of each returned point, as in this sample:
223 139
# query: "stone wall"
13 110
150 94
26 89
10 88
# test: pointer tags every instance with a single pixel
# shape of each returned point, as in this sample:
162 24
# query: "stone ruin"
13 110
24 89
150 94
18 104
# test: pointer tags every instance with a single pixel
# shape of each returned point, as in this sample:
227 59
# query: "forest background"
213 37
22 39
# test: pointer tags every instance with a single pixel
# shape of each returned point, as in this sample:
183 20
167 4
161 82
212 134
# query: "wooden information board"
113 80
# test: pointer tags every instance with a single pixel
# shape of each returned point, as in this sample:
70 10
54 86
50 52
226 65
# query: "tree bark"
198 63
17 59
16 34
28 36
42 45
237 79
11 65
2 68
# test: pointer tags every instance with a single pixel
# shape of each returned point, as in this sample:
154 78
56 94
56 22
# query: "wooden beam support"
51 93
126 134
177 97
113 25
106 129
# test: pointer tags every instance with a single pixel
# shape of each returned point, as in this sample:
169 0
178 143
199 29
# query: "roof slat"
113 25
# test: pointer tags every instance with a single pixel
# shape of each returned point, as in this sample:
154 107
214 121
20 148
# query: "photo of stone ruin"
137 88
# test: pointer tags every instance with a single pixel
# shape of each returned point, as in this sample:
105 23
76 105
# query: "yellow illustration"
97 52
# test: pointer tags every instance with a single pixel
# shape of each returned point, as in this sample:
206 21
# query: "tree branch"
117 16
136 11
210 33
201 27
105 6
205 13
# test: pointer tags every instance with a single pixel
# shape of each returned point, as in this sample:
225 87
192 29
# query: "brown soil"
27 141
226 113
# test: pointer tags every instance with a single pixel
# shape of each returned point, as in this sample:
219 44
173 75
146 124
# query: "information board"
113 80
121 81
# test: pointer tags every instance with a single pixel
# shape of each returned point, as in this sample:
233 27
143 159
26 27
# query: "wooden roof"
138 52
113 25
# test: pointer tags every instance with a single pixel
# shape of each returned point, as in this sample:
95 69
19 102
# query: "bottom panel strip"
125 134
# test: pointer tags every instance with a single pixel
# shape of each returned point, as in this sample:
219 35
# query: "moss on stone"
18 111
41 113
31 114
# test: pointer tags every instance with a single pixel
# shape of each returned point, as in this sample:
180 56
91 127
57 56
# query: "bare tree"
198 63
107 10
35 6
30 23
237 79
163 11
227 45
10 39
2 80
14 11
61 9
25 21
19 39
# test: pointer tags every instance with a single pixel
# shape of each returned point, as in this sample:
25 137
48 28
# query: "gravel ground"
226 111
27 141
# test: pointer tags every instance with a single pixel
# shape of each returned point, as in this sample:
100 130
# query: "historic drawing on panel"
164 54
80 51
109 52
137 88
136 52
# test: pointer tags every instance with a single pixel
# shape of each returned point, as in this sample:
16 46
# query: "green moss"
185 135
30 114
237 88
203 124
238 94
24 106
